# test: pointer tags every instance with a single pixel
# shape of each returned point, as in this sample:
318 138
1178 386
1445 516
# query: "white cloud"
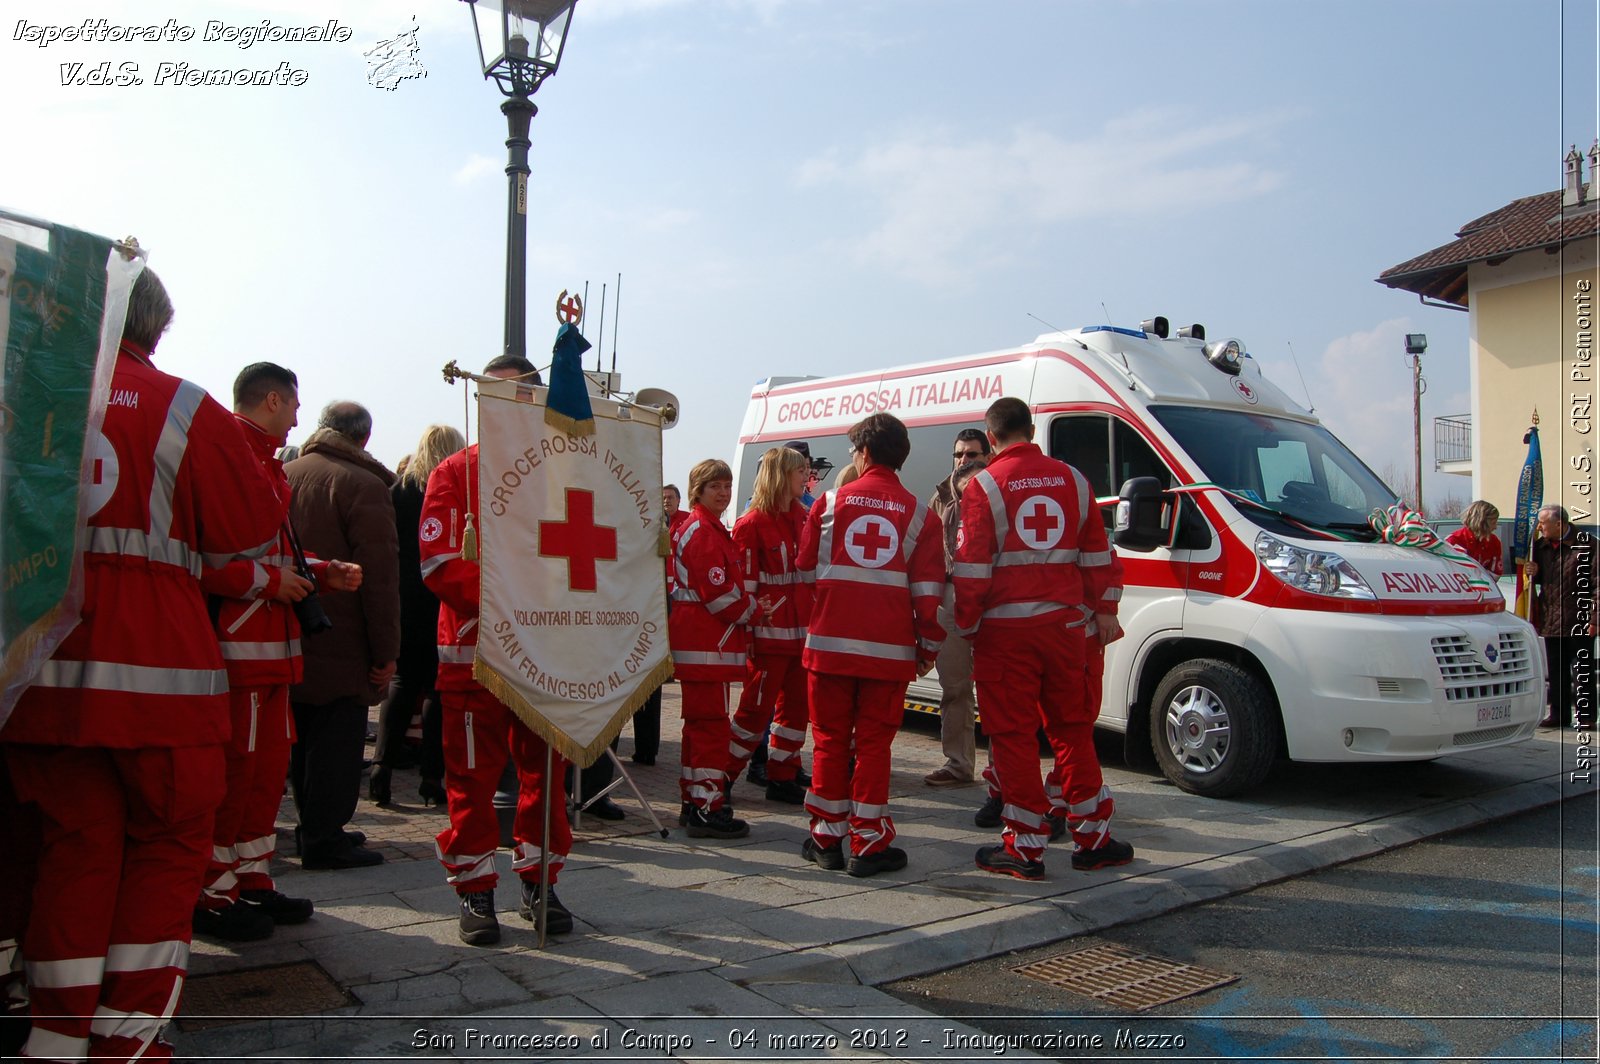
940 194
1361 387
476 167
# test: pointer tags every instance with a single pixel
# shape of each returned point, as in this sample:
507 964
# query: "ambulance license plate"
1494 713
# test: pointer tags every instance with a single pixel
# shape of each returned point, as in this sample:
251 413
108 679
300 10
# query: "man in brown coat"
342 509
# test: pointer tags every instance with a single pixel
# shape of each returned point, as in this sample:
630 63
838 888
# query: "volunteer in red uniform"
873 553
479 731
1032 564
260 640
708 630
768 538
119 741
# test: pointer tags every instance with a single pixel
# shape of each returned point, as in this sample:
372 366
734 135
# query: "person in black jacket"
418 664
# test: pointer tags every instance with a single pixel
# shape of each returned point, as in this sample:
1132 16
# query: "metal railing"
1452 439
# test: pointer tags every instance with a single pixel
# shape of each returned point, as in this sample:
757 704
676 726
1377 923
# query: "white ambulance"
1264 617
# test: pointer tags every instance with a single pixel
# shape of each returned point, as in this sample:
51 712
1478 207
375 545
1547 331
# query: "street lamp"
525 40
1416 343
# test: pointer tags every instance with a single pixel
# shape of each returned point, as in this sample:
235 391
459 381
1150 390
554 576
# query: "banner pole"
544 839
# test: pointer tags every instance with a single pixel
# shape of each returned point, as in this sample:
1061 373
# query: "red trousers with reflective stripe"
774 693
125 837
479 734
706 735
859 715
1025 677
257 760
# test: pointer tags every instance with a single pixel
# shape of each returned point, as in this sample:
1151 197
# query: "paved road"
1477 945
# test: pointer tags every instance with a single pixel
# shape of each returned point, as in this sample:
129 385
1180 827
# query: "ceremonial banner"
1530 497
573 614
63 297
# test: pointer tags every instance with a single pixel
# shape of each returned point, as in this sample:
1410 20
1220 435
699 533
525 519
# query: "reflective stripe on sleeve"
763 632
1094 558
430 564
272 651
972 570
722 602
456 655
934 588
1113 594
684 594
700 657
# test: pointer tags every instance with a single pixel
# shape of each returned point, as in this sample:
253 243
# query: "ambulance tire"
1194 701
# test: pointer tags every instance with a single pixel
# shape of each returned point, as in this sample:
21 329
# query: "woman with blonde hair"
768 538
418 664
708 630
1476 537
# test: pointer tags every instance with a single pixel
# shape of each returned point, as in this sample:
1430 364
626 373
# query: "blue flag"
1530 496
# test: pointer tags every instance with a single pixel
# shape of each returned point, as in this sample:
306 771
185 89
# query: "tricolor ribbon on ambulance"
1404 527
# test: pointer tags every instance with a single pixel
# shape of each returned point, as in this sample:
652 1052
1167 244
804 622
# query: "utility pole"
1416 343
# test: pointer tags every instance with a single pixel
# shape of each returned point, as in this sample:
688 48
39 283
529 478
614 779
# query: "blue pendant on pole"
569 407
1530 497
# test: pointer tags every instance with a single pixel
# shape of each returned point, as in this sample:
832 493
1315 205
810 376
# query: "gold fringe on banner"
569 425
559 740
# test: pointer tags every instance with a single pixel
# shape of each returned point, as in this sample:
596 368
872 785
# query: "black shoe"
829 857
348 857
1058 828
999 859
606 809
378 785
431 792
478 925
684 812
558 921
802 777
789 792
888 859
644 759
280 907
757 773
1109 855
356 838
233 923
718 824
989 815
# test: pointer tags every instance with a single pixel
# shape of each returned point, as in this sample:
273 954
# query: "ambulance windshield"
1300 471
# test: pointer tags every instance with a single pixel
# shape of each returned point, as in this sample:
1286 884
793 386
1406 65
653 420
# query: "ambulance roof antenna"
1106 312
616 321
1041 321
1311 406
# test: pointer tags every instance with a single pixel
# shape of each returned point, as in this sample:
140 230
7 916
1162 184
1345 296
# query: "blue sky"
814 186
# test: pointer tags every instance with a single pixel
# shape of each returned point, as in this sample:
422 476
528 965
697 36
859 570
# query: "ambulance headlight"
1316 571
1226 355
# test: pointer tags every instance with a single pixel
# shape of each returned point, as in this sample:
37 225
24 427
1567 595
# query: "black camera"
309 612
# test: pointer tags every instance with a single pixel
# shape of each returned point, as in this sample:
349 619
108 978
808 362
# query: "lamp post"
525 40
1416 343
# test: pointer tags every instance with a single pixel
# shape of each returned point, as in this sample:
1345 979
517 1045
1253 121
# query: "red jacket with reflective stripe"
1032 548
875 555
769 549
711 610
259 637
172 482
449 576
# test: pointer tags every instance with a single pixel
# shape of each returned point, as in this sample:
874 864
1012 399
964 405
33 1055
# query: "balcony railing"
1452 439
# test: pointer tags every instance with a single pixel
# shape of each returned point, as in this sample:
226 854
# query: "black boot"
378 784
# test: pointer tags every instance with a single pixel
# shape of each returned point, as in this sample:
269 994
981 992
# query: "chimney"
1594 167
1572 191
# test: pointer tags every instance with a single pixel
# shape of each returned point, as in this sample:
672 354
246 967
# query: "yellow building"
1527 276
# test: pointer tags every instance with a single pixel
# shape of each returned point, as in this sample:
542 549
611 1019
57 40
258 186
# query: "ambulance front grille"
1465 678
1488 735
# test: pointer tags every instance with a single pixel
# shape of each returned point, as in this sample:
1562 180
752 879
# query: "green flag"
63 296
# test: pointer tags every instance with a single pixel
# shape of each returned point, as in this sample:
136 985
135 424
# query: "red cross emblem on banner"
569 308
579 540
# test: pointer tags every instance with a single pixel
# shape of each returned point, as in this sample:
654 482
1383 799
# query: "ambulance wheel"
1212 728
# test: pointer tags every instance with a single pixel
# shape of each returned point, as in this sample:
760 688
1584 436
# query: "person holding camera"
254 604
342 509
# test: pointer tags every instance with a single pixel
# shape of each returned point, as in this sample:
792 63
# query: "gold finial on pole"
1535 417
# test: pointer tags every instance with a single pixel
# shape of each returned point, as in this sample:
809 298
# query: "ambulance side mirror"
1138 525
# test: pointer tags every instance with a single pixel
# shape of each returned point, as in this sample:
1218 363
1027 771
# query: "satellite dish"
662 401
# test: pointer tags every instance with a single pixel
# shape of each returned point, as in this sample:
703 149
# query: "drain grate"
1125 978
299 989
